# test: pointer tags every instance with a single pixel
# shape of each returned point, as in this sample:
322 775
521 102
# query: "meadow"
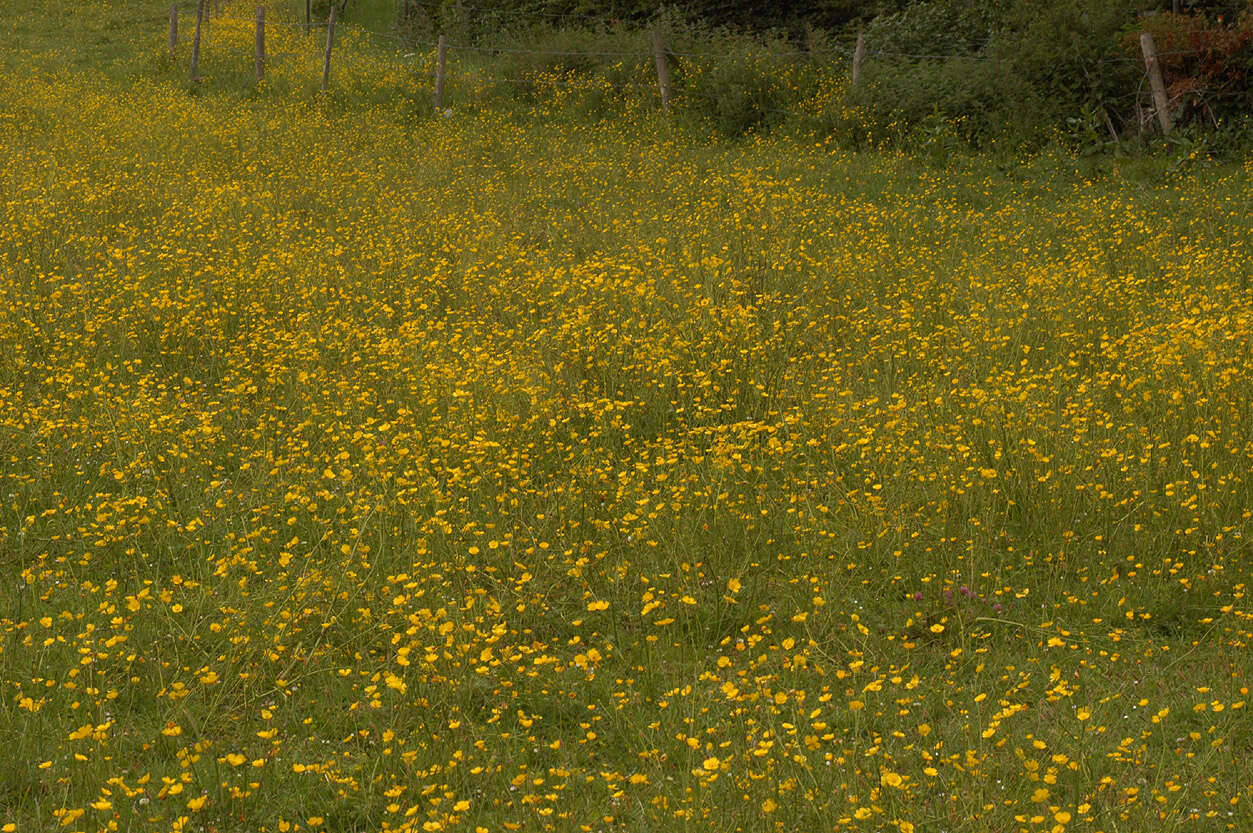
549 467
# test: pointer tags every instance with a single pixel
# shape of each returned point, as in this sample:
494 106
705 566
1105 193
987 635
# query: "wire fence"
827 49
848 55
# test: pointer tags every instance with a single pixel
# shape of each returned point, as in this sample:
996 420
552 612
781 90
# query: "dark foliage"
1207 64
1004 72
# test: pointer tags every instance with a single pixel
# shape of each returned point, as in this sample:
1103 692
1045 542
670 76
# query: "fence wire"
829 47
844 53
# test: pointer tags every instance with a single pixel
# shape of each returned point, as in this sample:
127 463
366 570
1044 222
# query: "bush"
535 61
938 27
737 93
1013 73
980 101
1067 52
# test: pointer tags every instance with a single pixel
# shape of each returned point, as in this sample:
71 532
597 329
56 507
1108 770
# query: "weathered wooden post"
330 43
1154 66
260 44
441 56
663 69
195 44
859 57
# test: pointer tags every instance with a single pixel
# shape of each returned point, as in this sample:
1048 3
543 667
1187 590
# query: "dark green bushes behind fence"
1015 73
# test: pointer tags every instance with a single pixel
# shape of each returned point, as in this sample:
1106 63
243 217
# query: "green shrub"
737 94
1068 52
937 27
1013 73
601 62
982 100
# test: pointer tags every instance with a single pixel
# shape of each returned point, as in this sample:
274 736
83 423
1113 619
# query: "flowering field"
365 471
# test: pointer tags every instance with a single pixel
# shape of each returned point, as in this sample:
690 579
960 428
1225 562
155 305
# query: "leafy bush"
737 93
937 27
607 59
1067 52
1013 73
980 100
320 9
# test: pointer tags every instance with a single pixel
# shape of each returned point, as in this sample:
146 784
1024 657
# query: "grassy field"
522 469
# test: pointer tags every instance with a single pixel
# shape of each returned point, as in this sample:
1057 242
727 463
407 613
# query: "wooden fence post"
1160 100
173 28
663 69
195 44
859 57
330 43
260 44
441 56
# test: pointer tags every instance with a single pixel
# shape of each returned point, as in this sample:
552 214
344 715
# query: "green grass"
553 464
372 14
